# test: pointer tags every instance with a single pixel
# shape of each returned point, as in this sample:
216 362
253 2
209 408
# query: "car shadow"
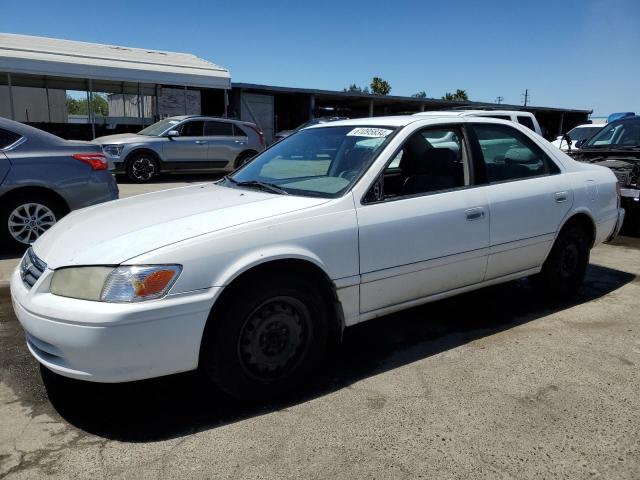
178 405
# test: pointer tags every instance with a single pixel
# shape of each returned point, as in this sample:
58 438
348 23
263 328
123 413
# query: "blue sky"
573 53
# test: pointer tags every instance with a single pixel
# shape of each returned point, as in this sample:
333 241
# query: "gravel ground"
491 384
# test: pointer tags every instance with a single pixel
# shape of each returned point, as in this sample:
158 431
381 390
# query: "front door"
423 229
189 150
527 195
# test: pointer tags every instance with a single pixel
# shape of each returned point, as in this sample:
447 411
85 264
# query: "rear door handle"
561 197
201 142
239 142
474 213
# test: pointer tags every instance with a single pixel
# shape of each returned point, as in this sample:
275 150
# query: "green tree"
380 86
458 96
77 106
356 89
420 94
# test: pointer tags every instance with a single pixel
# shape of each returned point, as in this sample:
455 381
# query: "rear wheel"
24 218
263 344
563 272
244 158
142 167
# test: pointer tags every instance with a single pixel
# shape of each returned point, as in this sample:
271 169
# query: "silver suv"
184 144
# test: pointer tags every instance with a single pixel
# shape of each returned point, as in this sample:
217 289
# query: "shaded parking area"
491 384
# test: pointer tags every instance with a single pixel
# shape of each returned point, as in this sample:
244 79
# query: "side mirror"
567 139
172 133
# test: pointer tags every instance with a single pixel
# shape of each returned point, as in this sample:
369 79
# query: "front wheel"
563 272
264 343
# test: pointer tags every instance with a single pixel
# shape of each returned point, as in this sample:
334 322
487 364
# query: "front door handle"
561 197
201 142
239 142
474 213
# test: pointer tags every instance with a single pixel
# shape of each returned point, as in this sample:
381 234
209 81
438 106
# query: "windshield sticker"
369 132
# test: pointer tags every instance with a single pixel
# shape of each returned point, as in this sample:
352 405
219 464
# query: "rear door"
4 167
528 198
7 140
190 149
223 145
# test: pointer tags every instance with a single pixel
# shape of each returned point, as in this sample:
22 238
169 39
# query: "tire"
142 168
243 158
24 217
264 344
563 272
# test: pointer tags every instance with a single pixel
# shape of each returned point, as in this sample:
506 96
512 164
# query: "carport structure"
291 107
40 76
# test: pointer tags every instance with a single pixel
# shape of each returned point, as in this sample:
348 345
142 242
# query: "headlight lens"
113 151
117 285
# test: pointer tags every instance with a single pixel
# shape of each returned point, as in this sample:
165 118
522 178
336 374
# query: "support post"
226 103
371 108
312 106
561 124
90 109
46 90
13 112
422 107
185 99
141 105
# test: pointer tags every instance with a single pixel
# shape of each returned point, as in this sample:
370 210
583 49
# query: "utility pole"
499 99
526 97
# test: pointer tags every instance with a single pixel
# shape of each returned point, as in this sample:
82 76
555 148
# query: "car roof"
203 117
404 120
467 113
29 131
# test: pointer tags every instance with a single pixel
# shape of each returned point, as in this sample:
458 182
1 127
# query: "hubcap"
273 338
143 168
27 222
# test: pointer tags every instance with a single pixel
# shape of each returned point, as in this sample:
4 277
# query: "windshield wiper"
271 187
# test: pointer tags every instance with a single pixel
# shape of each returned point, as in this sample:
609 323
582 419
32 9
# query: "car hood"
113 232
124 138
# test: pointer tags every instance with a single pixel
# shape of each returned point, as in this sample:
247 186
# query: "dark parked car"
617 146
42 178
314 121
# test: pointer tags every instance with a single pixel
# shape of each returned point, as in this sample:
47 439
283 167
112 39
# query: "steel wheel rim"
30 220
274 338
569 260
143 168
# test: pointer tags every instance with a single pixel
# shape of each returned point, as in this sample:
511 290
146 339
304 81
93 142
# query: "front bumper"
108 342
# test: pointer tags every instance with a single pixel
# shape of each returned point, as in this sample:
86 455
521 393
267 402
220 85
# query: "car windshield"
581 133
620 134
159 128
321 162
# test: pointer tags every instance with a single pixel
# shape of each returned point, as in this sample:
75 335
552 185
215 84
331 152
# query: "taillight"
258 131
97 161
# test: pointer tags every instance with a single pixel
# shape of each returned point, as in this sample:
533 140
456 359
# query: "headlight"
115 284
113 151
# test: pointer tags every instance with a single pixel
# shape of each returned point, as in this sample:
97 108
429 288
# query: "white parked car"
577 134
527 119
251 277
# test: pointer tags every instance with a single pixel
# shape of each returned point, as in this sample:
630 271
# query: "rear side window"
238 132
526 121
220 129
509 154
7 138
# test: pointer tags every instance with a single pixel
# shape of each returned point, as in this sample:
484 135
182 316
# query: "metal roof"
66 58
389 99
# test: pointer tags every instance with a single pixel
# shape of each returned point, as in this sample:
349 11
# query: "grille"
31 268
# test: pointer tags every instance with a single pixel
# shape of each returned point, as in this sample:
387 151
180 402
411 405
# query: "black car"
617 146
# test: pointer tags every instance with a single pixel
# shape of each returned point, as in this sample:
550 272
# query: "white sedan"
250 278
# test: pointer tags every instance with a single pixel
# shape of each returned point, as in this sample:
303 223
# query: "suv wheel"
563 272
244 158
265 344
142 167
24 218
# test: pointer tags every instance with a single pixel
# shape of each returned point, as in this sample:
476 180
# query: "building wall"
30 104
171 101
126 105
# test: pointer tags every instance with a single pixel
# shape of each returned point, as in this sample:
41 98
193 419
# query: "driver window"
191 129
429 161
